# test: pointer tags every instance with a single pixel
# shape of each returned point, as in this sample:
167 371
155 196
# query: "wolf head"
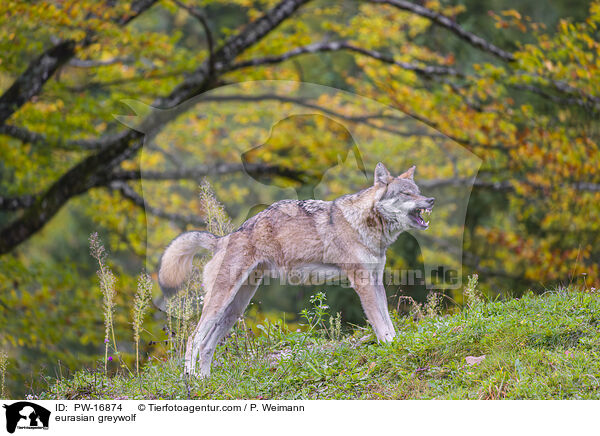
399 202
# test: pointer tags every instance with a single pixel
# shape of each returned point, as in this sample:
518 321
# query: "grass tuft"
536 347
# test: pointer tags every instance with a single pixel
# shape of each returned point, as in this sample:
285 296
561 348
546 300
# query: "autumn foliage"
526 106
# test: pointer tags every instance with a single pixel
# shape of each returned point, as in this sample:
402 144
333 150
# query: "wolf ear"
382 175
409 174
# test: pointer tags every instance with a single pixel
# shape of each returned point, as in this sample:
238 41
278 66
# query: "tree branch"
501 185
92 171
39 71
29 137
93 63
200 171
363 119
572 98
427 71
504 185
137 8
443 21
197 173
319 47
96 170
129 193
199 15
16 203
199 81
140 77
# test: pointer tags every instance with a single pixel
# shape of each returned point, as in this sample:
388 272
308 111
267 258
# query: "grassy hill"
535 347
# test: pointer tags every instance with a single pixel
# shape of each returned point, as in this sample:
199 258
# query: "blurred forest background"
514 83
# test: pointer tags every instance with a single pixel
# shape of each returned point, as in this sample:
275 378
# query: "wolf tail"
176 261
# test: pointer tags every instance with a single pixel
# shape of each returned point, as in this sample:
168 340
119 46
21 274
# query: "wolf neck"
372 230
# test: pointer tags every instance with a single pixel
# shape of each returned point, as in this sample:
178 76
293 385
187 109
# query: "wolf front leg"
369 287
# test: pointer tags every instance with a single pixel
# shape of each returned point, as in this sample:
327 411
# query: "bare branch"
427 71
129 193
140 77
319 47
117 177
365 119
446 22
93 63
117 180
29 137
587 186
573 97
569 90
22 134
200 171
199 15
504 185
137 8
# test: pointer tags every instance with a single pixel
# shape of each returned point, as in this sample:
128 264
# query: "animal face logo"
304 141
313 143
26 415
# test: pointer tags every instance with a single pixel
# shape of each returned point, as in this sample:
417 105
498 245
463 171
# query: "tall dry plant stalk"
107 287
3 367
472 296
141 302
217 220
433 305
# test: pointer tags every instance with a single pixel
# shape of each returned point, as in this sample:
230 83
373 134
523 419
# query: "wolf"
347 238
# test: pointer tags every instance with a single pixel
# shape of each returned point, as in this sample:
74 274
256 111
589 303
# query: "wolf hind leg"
218 317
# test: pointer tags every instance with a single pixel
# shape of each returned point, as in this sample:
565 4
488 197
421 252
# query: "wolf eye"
411 194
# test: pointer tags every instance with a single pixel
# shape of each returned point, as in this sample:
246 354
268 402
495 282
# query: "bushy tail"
176 261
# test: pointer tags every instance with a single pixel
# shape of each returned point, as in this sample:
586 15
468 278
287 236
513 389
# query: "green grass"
535 347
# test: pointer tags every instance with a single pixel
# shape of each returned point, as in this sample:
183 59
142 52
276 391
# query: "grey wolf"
346 237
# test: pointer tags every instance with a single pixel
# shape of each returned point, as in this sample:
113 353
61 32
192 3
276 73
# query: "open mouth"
417 217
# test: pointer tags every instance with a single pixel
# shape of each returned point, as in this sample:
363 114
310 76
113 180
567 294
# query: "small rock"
472 360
